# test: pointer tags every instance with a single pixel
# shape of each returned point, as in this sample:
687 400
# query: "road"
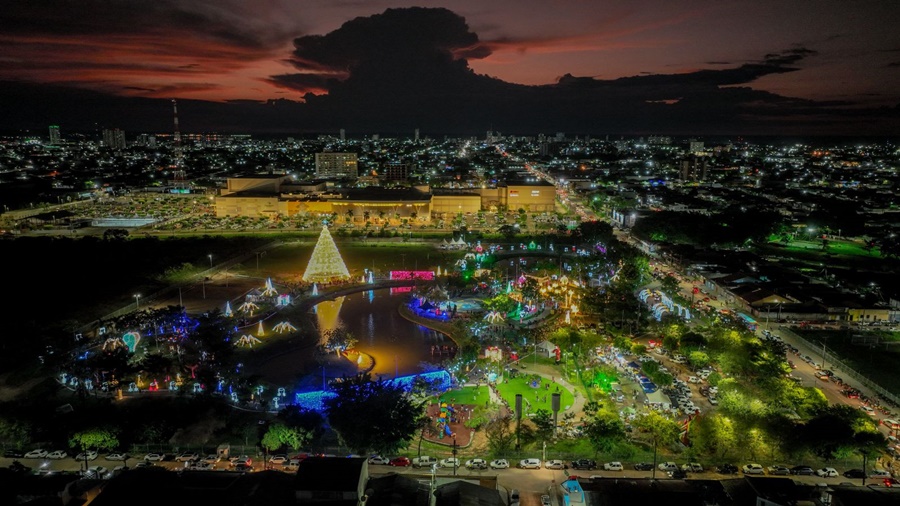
531 483
804 371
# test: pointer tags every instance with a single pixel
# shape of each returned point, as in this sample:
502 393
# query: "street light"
210 260
137 302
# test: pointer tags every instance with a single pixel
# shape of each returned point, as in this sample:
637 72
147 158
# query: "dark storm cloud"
397 35
98 17
306 82
788 57
408 68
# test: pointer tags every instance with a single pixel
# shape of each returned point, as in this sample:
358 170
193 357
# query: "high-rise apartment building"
54 134
114 138
694 168
396 171
336 165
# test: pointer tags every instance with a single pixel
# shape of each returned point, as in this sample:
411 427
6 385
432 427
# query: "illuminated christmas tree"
326 262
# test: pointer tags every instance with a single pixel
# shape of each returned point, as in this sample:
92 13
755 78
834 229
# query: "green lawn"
533 398
467 395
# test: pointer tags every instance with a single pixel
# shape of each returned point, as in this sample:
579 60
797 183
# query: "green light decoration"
603 380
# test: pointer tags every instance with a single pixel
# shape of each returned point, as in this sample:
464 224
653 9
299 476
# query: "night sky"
765 67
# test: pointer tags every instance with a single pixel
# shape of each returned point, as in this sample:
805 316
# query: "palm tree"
349 214
366 215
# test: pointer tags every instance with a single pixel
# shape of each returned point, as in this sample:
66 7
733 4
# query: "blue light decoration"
315 400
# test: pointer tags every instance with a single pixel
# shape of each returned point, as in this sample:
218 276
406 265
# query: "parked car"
879 474
95 472
854 473
450 462
203 465
187 457
613 466
545 500
116 456
727 469
827 472
36 454
13 453
399 462
554 464
779 470
424 460
242 461
668 466
279 459
378 460
86 455
803 470
678 474
530 463
244 468
643 466
584 464
867 410
57 455
692 467
476 464
211 459
154 457
499 464
753 469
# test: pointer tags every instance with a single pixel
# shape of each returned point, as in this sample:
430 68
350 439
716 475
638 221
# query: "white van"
530 464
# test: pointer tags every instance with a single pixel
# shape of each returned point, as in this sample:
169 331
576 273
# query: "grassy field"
877 362
533 397
840 248
466 395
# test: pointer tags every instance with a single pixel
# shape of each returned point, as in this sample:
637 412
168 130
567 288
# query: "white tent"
546 348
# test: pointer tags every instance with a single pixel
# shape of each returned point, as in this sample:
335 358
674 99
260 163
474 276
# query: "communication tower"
179 180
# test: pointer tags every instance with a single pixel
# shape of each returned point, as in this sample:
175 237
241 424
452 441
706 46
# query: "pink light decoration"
411 275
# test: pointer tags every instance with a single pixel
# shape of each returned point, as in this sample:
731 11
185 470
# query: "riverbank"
442 327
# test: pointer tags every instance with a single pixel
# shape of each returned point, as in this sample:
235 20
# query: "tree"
372 415
669 285
339 339
302 418
671 343
602 427
501 438
95 439
15 432
280 435
698 359
660 430
543 423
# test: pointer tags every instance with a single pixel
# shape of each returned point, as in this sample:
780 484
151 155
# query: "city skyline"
668 68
